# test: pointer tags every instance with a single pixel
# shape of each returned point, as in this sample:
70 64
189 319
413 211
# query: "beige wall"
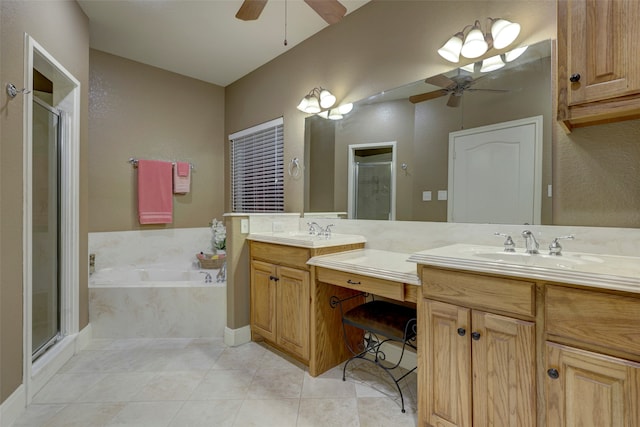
136 110
62 29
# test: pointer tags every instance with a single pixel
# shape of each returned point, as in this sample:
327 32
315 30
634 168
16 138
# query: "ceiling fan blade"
415 99
454 100
441 81
331 11
250 10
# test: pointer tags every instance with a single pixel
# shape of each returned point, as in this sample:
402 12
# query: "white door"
495 173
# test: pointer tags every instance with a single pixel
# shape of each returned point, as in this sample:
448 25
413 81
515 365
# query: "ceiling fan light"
327 99
451 49
345 108
504 33
491 64
514 54
475 44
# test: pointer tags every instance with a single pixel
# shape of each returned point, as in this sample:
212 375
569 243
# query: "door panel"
448 388
263 299
591 390
504 371
293 310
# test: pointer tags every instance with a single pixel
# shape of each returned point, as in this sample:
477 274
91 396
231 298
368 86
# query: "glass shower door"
45 228
373 190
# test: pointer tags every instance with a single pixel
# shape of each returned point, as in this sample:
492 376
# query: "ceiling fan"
331 11
455 87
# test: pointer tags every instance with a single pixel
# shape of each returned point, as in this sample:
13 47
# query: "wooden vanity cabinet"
280 306
592 353
281 300
598 62
477 366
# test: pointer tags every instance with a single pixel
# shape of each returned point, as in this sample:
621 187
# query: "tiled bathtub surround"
148 284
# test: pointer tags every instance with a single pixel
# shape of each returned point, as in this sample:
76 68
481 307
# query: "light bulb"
475 45
504 33
345 108
451 49
327 99
491 64
514 54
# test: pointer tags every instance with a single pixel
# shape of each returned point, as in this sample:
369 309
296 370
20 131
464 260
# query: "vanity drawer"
593 317
280 254
479 291
372 285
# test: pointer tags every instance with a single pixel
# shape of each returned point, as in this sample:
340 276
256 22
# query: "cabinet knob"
553 373
475 336
574 78
274 278
462 332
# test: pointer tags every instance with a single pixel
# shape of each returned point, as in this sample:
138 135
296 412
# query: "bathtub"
156 301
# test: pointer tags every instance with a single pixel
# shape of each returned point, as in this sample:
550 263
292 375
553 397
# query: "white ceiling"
201 38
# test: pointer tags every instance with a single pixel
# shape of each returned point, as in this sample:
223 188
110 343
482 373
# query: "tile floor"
194 382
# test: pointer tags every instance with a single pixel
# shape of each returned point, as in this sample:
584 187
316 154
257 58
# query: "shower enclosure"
45 227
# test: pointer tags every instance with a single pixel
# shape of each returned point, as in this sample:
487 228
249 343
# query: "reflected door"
45 229
495 173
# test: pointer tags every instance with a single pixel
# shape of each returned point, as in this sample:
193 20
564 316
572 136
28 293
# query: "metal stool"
381 321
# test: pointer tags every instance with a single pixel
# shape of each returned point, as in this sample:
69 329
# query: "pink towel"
155 201
181 177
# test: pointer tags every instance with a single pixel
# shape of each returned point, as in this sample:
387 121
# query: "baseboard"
50 363
13 407
236 337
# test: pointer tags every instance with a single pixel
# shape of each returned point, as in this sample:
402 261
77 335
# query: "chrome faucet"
207 277
555 248
222 273
326 233
530 242
314 228
509 245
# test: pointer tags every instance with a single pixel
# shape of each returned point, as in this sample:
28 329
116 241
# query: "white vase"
221 252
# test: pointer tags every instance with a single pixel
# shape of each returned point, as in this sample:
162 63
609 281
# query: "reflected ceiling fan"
455 87
331 11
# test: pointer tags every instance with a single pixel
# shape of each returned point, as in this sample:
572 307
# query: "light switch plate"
244 226
426 196
442 194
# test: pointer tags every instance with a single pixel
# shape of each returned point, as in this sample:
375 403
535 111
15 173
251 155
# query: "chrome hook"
13 91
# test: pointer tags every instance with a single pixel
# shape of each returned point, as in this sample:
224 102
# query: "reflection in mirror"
420 117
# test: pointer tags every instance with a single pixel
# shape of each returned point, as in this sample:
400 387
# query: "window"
257 168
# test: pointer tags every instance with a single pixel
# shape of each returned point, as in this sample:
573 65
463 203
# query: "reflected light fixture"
321 102
514 54
476 42
491 64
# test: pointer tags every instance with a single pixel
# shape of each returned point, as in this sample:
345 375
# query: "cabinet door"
447 392
601 46
590 390
503 360
293 301
263 299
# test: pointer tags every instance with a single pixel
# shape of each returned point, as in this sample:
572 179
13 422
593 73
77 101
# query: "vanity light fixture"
492 64
514 54
319 101
476 42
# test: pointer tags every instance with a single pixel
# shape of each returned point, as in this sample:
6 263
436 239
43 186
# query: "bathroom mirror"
416 120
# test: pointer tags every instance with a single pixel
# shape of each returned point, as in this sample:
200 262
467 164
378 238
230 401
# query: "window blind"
257 168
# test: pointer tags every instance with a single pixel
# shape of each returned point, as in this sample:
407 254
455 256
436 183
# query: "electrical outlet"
244 226
277 227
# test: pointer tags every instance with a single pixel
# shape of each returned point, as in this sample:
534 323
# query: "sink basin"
568 261
304 239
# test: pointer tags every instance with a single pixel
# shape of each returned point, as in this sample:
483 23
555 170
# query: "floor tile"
207 413
321 387
328 413
268 413
67 388
86 414
170 386
38 415
146 414
116 387
384 412
276 383
228 384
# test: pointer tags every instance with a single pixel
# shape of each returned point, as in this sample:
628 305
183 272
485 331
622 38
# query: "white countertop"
371 262
614 272
305 240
